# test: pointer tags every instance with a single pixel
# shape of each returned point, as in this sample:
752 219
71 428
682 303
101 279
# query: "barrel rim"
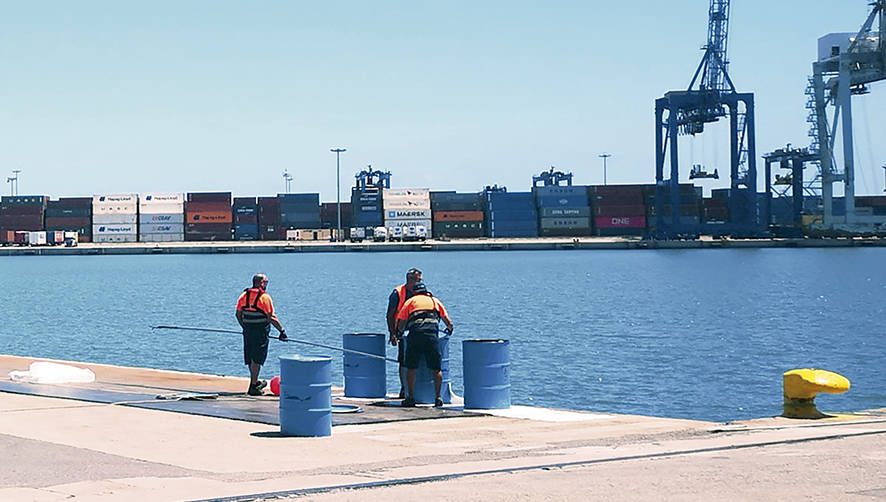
363 334
486 340
306 358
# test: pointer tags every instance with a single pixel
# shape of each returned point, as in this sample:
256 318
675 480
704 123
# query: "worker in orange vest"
396 300
421 315
255 313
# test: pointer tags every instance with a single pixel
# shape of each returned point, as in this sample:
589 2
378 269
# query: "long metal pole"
212 330
338 152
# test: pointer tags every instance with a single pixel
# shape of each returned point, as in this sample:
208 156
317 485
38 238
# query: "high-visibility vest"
253 315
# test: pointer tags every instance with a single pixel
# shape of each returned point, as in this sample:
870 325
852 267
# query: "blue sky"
107 96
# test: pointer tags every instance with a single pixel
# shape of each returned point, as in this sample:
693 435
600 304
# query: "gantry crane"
552 178
849 63
687 113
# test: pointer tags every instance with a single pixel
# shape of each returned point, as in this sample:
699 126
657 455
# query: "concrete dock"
82 448
485 244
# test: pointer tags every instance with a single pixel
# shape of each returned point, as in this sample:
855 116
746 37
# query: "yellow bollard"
802 385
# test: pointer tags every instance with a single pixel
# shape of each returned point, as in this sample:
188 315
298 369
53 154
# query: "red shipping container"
22 210
458 215
208 206
618 210
208 217
20 237
23 222
7 236
620 221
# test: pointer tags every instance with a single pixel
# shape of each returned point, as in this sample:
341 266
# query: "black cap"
419 287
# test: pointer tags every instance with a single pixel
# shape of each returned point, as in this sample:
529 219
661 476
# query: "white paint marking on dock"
543 414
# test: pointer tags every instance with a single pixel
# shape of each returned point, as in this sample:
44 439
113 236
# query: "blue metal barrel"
305 395
424 379
364 376
487 374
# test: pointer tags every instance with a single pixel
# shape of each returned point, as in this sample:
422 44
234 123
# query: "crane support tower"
552 178
794 160
847 63
687 113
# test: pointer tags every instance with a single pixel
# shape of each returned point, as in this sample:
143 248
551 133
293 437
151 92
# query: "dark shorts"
255 345
423 346
401 351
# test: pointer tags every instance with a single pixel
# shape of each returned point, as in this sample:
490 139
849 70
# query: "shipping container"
218 197
68 212
71 222
161 199
114 218
246 219
72 202
23 200
459 229
269 232
617 210
124 199
161 218
116 238
114 229
408 214
161 228
24 222
162 237
207 236
521 215
209 217
246 232
565 223
620 222
37 238
213 228
452 201
22 210
458 216
245 201
569 212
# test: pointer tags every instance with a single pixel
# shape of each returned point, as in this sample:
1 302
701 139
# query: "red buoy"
275 385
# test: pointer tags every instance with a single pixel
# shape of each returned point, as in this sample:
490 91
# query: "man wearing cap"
421 315
396 300
255 313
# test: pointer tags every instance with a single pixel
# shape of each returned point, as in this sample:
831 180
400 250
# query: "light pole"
287 179
604 156
13 182
338 152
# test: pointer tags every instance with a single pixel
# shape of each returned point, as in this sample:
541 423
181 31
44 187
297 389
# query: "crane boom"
715 51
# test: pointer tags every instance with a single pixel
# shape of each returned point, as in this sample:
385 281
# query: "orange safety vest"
401 293
253 315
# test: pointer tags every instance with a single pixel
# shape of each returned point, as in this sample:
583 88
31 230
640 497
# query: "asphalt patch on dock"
232 406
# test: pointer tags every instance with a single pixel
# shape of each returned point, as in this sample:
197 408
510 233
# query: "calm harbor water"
702 334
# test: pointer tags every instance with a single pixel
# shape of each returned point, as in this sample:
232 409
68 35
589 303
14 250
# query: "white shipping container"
114 219
408 223
36 238
161 208
408 214
406 193
170 237
291 235
114 238
113 229
161 228
114 199
120 208
163 218
160 199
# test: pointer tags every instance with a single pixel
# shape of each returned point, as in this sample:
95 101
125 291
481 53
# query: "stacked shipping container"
245 219
70 214
458 214
511 214
208 216
269 219
563 211
115 218
161 217
299 210
407 207
619 209
329 216
21 213
690 205
366 207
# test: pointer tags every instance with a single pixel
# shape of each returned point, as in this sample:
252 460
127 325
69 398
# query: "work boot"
408 403
256 388
438 403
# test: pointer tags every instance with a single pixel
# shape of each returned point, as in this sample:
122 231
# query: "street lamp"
338 152
287 178
604 156
13 182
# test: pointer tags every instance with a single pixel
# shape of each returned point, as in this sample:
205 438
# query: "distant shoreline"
523 244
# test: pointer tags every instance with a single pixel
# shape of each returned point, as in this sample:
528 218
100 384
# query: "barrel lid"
489 340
